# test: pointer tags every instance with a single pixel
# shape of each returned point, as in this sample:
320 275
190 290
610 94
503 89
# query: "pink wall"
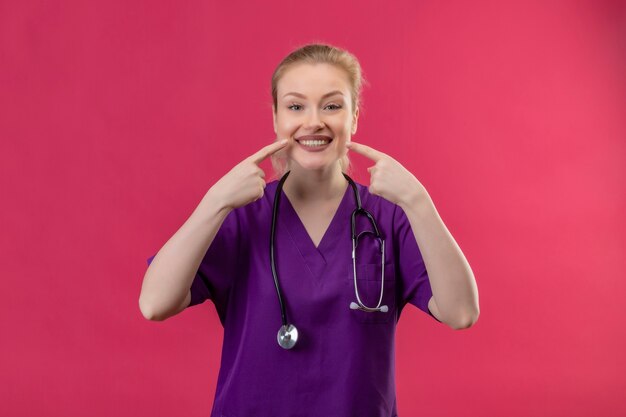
116 117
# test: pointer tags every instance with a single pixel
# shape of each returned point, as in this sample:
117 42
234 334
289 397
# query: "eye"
335 106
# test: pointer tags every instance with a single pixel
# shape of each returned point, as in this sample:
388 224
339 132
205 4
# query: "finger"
366 151
261 191
268 150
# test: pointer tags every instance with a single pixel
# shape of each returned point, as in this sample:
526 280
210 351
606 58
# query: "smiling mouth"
314 140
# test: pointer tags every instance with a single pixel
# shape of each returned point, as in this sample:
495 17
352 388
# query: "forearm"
451 278
170 274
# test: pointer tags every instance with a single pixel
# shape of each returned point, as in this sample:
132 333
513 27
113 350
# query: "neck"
309 185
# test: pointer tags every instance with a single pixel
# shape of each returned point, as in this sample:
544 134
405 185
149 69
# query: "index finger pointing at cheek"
366 151
268 150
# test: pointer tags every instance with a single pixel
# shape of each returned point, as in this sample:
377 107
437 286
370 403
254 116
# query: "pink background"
116 117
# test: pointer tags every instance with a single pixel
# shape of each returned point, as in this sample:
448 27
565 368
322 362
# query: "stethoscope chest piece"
287 336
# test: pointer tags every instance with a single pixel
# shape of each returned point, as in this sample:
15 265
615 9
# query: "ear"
274 117
355 121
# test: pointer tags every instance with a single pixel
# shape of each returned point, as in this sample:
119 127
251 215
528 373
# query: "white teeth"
314 142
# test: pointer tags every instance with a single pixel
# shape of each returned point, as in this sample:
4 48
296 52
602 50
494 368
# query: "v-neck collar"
315 257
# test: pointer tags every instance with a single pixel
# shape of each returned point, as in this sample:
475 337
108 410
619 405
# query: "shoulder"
390 216
379 205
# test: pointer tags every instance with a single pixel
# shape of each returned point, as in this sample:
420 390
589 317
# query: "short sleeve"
218 267
414 282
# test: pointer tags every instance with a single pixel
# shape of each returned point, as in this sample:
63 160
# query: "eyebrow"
332 93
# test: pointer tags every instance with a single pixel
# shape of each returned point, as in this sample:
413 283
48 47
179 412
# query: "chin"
313 165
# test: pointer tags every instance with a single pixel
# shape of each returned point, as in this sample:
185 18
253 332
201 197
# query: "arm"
165 289
455 294
166 286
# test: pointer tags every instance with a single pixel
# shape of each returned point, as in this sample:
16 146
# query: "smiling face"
315 113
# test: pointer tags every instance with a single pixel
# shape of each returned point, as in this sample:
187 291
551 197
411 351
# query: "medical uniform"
343 363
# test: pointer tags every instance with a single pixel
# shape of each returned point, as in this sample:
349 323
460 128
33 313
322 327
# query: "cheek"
284 122
287 129
343 127
343 135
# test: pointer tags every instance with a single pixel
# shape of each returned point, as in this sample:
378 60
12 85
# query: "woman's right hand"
245 183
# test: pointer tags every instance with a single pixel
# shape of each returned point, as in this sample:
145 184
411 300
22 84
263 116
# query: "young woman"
309 273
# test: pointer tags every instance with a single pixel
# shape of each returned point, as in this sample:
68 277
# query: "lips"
315 137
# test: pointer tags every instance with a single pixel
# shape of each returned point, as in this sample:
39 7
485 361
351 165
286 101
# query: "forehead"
313 80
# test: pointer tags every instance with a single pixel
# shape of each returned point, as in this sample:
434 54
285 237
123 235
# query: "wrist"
415 199
213 205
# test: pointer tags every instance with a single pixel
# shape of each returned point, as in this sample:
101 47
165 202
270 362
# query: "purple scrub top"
343 363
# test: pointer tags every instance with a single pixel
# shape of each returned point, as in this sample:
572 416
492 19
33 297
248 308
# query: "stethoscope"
288 333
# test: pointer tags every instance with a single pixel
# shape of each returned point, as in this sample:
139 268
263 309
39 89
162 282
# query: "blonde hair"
319 53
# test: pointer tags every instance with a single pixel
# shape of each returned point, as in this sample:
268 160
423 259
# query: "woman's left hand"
388 178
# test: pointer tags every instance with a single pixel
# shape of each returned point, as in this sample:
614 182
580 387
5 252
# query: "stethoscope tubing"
272 258
288 333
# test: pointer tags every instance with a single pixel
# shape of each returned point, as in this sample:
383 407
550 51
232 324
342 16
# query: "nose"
314 121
